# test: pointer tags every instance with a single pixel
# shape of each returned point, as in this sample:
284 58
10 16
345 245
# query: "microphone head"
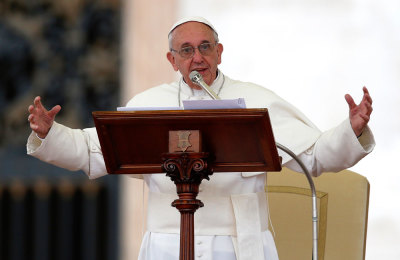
195 77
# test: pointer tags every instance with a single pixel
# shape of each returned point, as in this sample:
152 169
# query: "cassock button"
199 255
309 151
200 189
199 242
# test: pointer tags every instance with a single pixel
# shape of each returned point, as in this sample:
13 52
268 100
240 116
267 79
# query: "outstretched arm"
72 149
359 114
40 118
338 148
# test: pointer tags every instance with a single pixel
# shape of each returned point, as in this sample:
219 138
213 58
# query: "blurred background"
68 52
89 55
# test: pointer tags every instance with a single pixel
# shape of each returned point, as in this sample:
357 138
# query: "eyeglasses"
205 49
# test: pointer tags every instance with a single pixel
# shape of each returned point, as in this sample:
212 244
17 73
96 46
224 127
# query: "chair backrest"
342 211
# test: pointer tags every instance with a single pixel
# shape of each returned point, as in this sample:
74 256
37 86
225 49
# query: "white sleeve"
335 150
72 149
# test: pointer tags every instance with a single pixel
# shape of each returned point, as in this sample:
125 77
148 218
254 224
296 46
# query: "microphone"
197 79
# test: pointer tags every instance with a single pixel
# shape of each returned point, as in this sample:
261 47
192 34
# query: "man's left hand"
359 114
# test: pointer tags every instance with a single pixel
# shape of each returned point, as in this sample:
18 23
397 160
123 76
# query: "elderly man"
219 231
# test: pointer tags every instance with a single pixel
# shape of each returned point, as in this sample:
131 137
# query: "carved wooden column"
187 170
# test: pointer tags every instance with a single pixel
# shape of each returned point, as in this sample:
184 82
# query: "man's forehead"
192 19
191 33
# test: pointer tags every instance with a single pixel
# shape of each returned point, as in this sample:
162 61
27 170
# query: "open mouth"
200 70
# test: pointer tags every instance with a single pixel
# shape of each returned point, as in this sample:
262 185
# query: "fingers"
368 107
38 110
365 118
350 101
360 114
40 118
31 108
36 114
37 103
31 119
54 111
34 126
365 90
367 96
366 102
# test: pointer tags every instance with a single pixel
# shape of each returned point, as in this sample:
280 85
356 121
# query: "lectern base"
187 170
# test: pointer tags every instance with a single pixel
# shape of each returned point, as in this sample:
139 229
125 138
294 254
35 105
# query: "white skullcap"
192 19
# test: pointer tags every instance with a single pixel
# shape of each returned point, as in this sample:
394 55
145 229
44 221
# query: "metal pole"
314 199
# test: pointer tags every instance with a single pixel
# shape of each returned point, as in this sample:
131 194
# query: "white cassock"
224 229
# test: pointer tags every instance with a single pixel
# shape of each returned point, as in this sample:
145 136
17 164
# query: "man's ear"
220 49
171 60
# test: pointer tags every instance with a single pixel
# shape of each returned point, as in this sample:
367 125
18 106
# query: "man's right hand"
40 118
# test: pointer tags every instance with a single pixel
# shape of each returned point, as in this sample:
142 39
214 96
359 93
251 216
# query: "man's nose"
197 56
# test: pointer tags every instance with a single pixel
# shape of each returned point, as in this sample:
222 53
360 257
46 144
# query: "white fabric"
291 128
221 216
329 151
249 239
164 246
217 218
192 19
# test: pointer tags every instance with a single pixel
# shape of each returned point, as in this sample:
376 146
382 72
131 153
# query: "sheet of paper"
147 108
195 104
214 104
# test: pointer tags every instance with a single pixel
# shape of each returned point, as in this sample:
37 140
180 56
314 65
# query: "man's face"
193 34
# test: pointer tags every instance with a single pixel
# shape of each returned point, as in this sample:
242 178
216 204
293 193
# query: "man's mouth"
200 70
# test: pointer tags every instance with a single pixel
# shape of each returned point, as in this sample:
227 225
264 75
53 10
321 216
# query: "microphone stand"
196 78
314 199
210 92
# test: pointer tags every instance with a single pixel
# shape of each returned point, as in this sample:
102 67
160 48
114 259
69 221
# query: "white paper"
195 104
214 104
147 108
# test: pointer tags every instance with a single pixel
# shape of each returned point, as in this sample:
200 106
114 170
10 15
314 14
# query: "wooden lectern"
233 140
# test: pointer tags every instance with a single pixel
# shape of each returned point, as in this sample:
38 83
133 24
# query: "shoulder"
254 94
162 95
